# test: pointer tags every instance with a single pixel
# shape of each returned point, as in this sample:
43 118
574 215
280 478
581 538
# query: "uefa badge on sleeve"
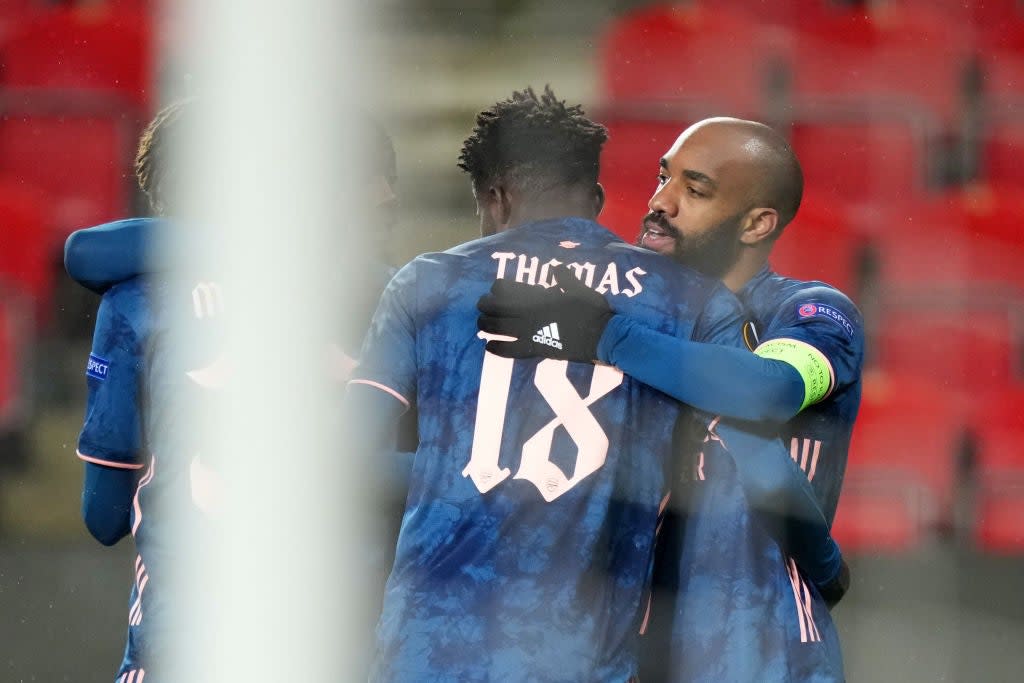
97 367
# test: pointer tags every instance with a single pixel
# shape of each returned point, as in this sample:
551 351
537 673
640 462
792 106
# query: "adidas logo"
548 335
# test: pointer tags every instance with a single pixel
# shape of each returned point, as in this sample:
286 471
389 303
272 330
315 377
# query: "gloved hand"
564 322
833 591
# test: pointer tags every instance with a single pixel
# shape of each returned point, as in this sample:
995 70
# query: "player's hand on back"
564 322
836 589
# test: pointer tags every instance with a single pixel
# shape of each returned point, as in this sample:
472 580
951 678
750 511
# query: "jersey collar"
755 282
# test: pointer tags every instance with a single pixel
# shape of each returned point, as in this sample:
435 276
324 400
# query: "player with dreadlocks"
526 546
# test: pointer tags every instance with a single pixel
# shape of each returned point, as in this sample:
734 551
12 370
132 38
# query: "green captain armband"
811 363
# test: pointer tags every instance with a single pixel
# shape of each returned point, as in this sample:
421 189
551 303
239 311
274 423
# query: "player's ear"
760 225
598 199
499 203
492 208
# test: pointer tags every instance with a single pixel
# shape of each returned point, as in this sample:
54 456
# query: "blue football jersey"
822 316
140 383
527 543
112 434
742 610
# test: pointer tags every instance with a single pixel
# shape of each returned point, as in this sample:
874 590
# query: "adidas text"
548 335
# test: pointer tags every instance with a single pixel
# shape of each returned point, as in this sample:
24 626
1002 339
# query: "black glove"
833 591
565 321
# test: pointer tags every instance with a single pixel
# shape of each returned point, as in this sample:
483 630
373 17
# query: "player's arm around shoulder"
819 331
383 384
102 256
722 319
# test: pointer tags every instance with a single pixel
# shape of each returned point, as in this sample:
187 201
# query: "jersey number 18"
572 411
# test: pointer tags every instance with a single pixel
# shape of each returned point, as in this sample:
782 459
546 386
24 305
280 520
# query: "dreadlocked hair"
154 157
534 143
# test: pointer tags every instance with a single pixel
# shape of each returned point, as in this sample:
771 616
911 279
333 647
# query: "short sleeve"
722 320
825 319
112 433
388 357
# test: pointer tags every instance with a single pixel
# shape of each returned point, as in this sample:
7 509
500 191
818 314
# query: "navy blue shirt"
742 609
825 318
526 546
140 385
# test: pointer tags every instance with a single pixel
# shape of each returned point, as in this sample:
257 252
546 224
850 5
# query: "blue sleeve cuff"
614 333
106 502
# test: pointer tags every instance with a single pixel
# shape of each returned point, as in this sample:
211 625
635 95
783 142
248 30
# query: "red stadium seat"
15 338
885 60
1002 76
872 96
25 261
15 13
990 211
709 57
852 158
957 349
961 246
93 47
981 13
900 474
919 245
1003 33
999 512
873 517
1003 147
820 244
998 425
999 526
82 162
785 12
75 94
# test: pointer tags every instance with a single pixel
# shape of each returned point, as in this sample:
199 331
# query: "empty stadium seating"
821 244
871 99
95 48
709 58
900 478
980 13
25 263
957 349
998 426
15 371
74 92
1002 106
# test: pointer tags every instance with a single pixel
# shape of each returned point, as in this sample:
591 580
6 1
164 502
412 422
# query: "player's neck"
547 210
749 264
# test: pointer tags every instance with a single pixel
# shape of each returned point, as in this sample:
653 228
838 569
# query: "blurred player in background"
103 256
116 256
541 575
143 474
735 607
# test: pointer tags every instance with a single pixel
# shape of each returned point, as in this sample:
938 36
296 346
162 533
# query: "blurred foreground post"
270 174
